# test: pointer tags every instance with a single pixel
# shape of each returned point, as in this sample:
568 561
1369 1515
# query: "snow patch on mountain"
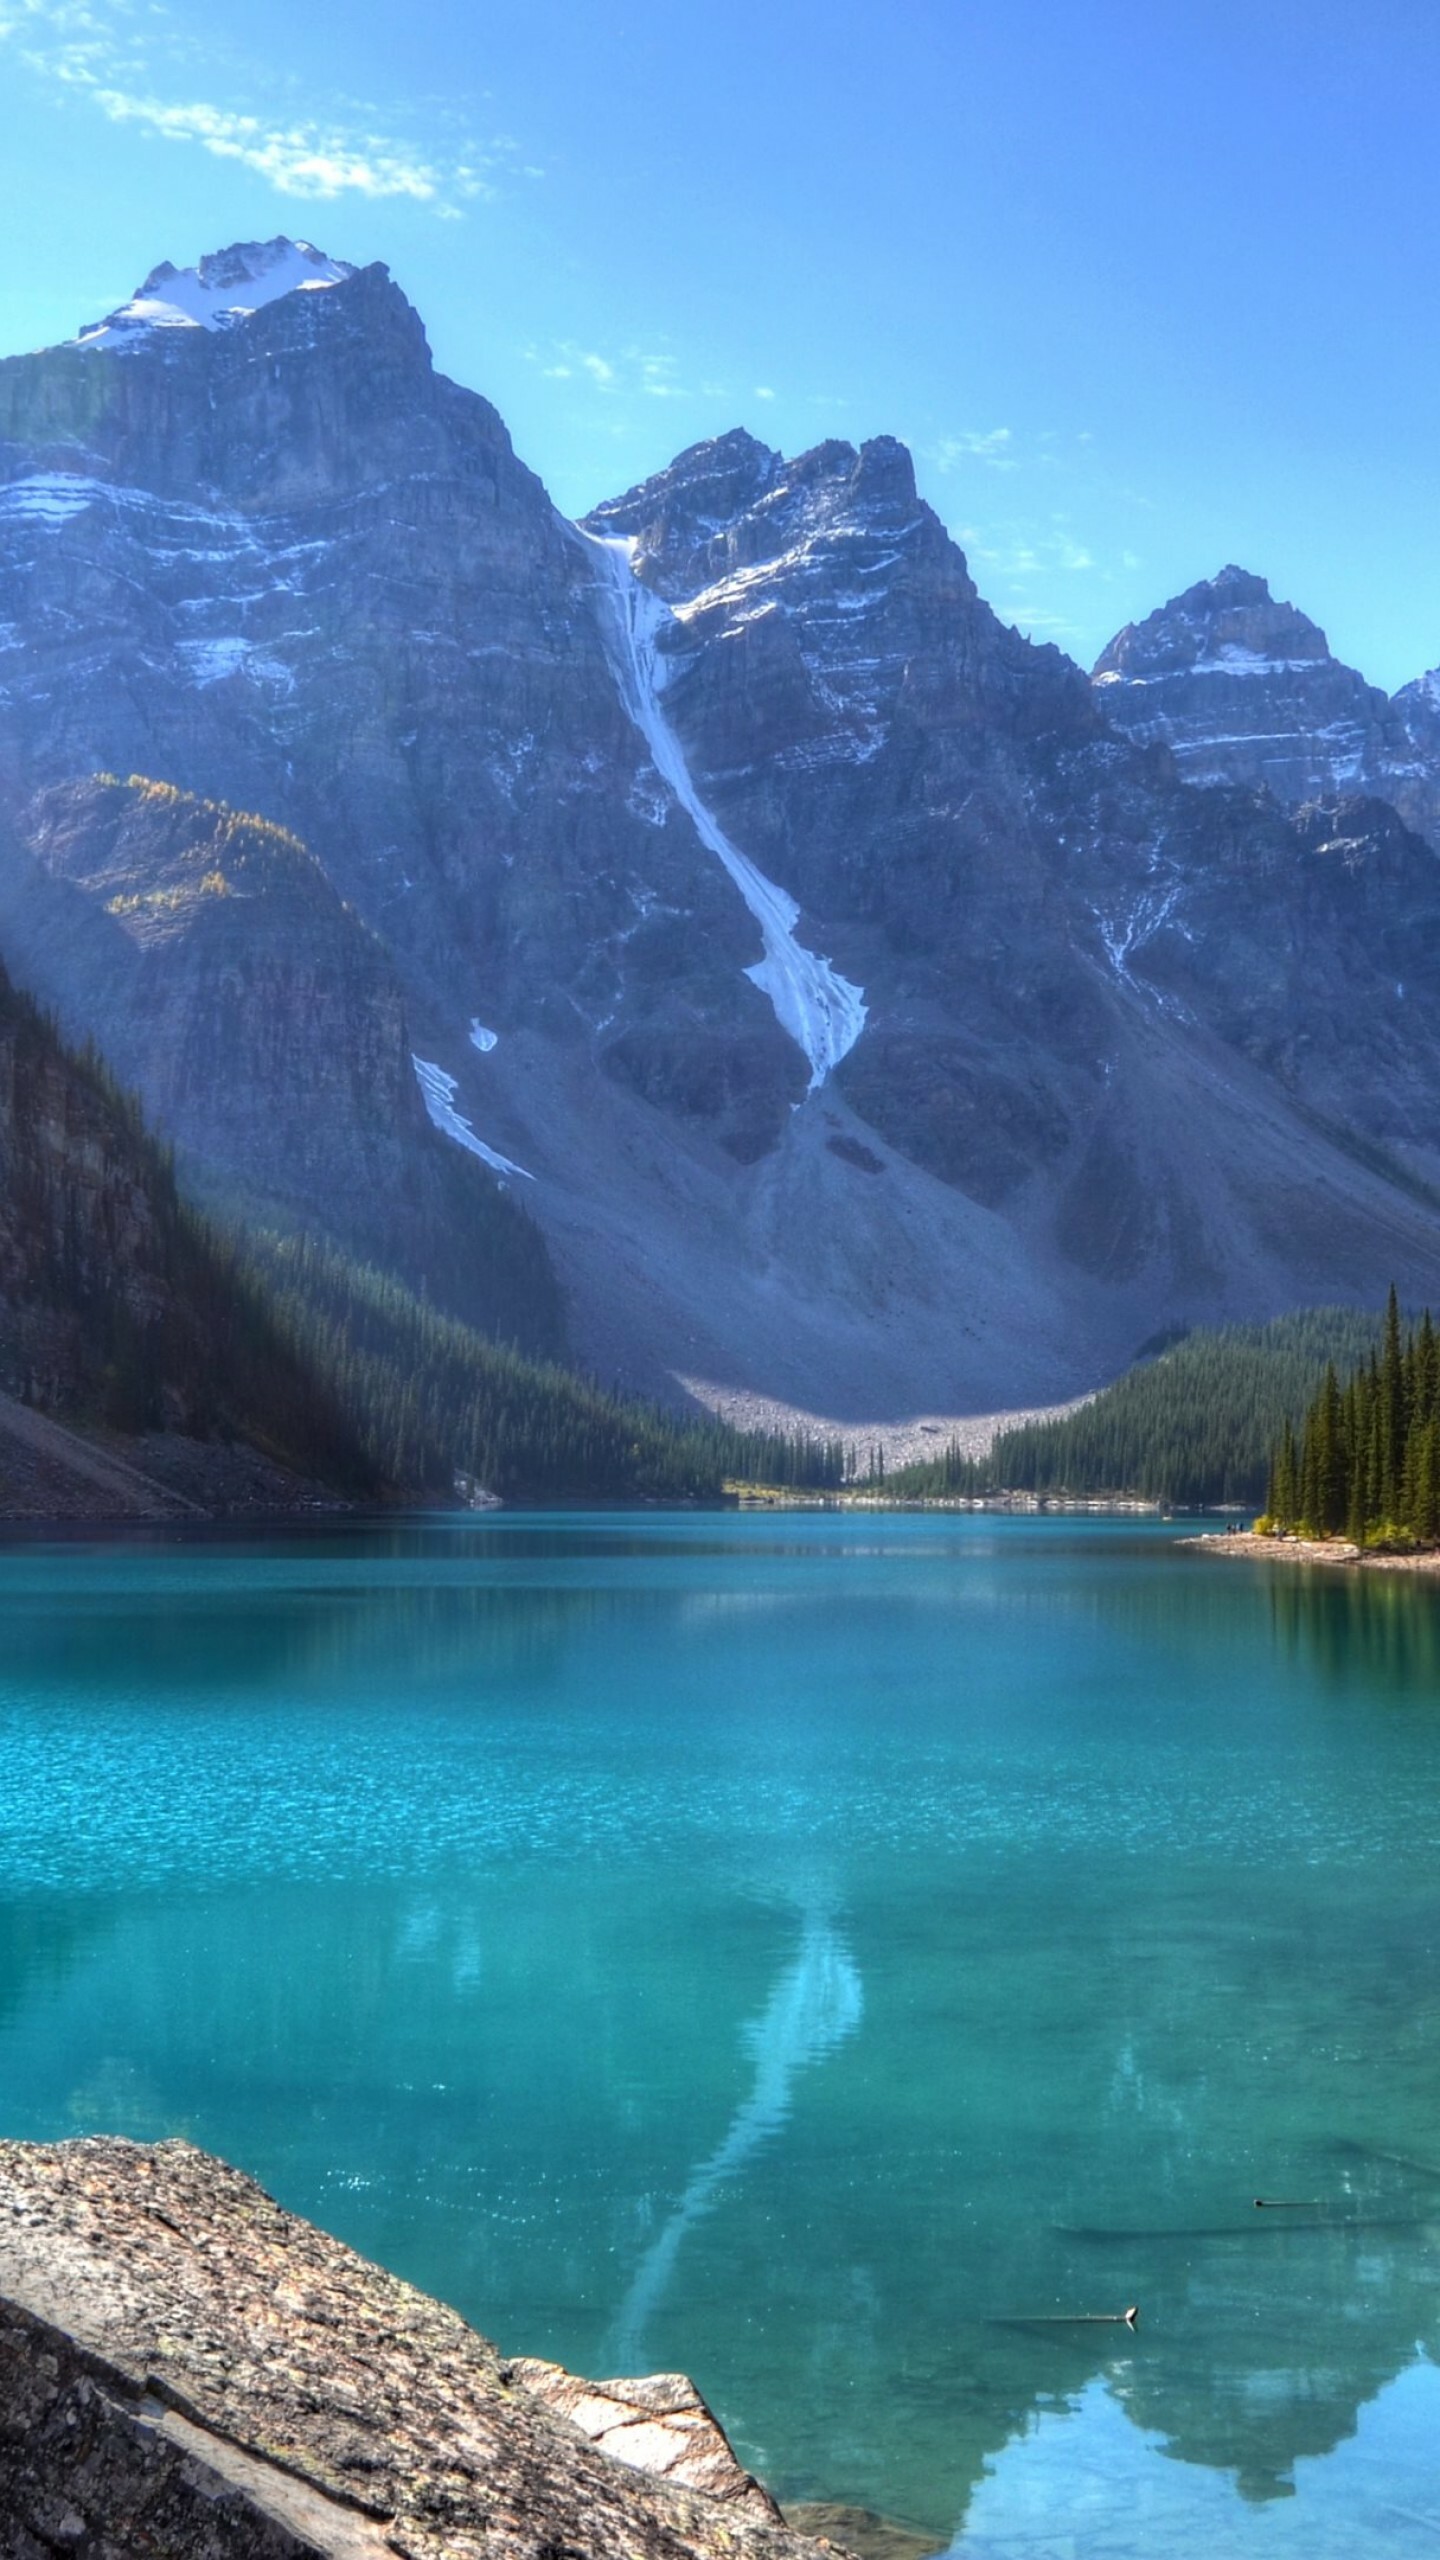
1423 690
49 497
822 1012
1230 660
224 289
207 662
438 1093
177 531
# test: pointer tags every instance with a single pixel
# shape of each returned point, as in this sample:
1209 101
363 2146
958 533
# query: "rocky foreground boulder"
187 2370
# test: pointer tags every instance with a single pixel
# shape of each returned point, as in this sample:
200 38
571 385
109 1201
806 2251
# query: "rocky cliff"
1070 960
867 1017
264 1029
186 2368
1243 689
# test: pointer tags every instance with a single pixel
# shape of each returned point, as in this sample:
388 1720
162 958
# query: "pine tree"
1372 1454
1425 1486
1392 1411
1330 1456
1425 1399
1284 1497
1310 1502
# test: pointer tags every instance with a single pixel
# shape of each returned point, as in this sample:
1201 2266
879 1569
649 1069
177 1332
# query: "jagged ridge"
1096 1090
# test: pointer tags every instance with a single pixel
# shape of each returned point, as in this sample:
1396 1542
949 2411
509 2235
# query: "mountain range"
703 937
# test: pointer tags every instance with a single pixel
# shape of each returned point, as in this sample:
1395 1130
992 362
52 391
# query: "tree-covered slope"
118 1306
431 1398
1196 1425
264 1030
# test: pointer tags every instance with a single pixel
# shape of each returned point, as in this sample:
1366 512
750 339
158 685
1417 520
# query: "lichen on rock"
186 2368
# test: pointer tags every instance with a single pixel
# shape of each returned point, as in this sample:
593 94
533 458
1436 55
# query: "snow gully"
822 1012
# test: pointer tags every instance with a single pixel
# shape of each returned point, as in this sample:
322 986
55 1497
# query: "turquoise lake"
818 1952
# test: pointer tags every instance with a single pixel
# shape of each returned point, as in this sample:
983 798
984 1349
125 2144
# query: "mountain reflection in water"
1086 2477
501 1894
816 2003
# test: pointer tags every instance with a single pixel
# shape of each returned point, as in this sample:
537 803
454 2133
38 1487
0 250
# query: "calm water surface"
811 1952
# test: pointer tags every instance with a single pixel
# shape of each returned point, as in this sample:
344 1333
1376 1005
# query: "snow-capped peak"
223 289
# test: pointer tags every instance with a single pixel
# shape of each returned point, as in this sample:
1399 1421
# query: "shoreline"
20 1525
864 1498
1326 1551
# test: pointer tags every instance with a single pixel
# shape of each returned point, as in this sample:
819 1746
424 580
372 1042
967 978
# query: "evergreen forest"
1194 1426
118 1305
121 1305
431 1398
1365 1463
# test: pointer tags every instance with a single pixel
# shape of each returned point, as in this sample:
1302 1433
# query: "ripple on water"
797 1951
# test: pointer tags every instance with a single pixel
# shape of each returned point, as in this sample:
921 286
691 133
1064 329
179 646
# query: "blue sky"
1146 288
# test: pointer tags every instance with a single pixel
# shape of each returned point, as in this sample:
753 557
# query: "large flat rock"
187 2370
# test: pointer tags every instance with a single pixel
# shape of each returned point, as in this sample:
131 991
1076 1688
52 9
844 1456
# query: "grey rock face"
876 740
1243 689
262 1026
1013 885
185 2368
289 566
234 985
1408 774
271 557
288 562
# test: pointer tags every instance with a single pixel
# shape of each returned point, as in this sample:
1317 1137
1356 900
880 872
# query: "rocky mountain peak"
267 376
884 472
733 504
1244 689
223 289
1422 695
642 806
1237 585
715 479
1226 625
683 517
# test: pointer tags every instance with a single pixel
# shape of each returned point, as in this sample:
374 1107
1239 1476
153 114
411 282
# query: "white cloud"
128 61
763 391
657 378
992 448
629 373
1019 562
297 160
1036 624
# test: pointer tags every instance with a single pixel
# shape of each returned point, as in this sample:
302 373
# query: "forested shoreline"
1193 1427
1365 1462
